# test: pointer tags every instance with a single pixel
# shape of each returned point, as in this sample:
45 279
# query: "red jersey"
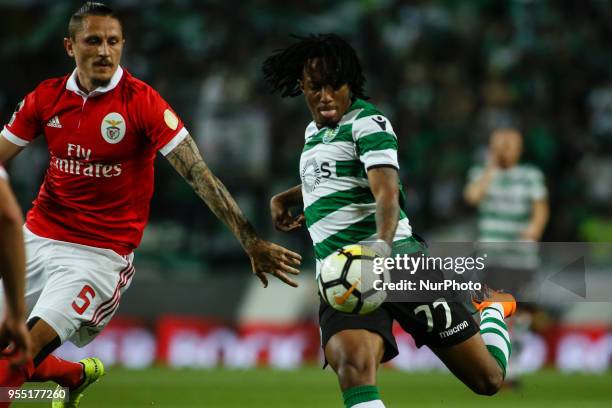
102 145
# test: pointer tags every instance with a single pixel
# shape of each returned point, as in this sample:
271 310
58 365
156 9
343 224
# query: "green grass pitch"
314 388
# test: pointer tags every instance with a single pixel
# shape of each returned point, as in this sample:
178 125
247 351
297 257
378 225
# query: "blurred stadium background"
445 72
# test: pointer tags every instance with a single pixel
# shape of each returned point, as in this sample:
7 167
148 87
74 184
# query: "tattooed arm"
266 257
187 161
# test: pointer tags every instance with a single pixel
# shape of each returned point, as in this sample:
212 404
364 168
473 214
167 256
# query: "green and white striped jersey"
506 211
338 203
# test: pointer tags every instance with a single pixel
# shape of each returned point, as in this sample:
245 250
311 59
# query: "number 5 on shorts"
83 295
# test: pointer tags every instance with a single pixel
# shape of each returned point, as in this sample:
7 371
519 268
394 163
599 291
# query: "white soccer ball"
346 280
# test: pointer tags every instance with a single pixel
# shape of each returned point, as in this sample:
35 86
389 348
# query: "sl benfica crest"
113 128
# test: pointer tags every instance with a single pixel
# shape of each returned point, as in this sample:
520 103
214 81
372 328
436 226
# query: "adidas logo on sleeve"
54 122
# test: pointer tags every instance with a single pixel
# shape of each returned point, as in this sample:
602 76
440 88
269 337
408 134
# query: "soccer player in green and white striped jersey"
341 210
350 193
513 211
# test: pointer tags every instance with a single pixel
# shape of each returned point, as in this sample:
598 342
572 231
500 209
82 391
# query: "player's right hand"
13 332
492 160
282 217
267 257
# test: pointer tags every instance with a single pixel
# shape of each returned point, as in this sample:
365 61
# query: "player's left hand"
13 331
267 257
282 216
380 247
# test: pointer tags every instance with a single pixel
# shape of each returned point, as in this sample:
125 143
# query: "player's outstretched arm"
384 185
12 268
266 257
280 208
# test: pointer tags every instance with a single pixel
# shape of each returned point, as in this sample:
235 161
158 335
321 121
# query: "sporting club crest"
330 134
113 128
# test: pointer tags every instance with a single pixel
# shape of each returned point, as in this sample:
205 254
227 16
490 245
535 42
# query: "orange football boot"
487 296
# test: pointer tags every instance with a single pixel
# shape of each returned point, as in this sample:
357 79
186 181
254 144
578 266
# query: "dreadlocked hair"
339 62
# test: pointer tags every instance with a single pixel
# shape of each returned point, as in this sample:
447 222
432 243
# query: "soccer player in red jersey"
12 271
103 129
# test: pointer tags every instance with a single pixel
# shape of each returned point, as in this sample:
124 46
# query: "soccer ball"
346 280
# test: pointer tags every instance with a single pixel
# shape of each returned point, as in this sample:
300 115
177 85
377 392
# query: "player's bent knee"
357 371
355 358
489 384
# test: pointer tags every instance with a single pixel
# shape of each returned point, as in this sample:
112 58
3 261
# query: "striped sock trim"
493 310
362 393
370 404
494 333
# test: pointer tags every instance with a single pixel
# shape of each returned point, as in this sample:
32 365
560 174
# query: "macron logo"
453 330
54 122
380 121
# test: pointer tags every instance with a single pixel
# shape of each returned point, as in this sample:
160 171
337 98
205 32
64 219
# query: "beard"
100 79
98 82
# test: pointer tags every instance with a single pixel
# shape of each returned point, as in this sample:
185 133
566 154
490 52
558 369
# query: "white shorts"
74 288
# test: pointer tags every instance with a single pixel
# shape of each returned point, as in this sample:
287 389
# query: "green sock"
362 393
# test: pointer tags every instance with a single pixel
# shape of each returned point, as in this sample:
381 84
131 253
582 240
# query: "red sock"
63 372
15 378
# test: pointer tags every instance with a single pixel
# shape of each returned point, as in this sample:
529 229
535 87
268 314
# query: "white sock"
370 404
495 335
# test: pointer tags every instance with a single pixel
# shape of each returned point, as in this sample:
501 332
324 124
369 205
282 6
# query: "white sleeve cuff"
539 194
175 141
380 158
13 138
3 174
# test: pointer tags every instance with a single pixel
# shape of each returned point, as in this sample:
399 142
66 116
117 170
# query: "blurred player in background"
513 212
513 207
103 129
350 193
12 270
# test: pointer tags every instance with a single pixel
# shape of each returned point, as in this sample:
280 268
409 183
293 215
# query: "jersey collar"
71 85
